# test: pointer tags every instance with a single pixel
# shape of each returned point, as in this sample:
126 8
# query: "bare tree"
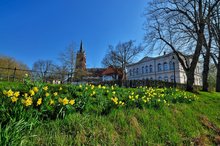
67 59
43 68
180 26
216 54
61 72
122 55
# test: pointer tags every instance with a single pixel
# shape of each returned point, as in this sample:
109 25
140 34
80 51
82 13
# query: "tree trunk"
190 80
206 70
218 75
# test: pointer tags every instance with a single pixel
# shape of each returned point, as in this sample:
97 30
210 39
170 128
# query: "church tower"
80 70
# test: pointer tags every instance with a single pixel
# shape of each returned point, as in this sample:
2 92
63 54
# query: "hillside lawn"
195 123
181 124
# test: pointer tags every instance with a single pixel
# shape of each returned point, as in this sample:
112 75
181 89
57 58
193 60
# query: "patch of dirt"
134 123
203 140
205 121
217 140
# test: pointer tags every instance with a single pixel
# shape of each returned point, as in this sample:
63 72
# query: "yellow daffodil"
60 100
45 88
39 101
25 95
10 93
5 92
55 93
47 94
71 102
60 88
115 100
28 101
35 89
121 103
32 93
14 99
51 102
65 101
17 93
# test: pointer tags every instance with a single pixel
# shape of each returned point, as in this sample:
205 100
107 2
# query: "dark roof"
81 50
110 70
95 71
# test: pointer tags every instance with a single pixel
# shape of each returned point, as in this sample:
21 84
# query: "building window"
133 72
166 79
160 78
171 65
151 68
137 71
172 78
142 69
165 66
151 78
130 72
159 66
146 69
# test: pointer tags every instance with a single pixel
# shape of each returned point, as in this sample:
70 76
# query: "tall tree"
43 68
206 55
180 26
121 55
216 34
67 59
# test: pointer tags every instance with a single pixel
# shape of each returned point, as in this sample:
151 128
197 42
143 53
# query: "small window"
146 69
166 79
142 69
159 67
172 65
133 72
172 78
130 72
165 66
137 71
151 68
159 78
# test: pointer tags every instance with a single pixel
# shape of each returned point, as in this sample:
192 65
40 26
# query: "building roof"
95 72
81 50
111 70
145 59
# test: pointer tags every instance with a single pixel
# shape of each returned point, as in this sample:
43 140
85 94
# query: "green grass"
178 124
97 120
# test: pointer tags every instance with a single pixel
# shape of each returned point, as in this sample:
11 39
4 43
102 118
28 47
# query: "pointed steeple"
81 50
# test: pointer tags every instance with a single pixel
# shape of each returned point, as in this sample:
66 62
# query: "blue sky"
41 29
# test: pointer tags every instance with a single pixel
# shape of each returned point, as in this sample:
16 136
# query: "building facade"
164 68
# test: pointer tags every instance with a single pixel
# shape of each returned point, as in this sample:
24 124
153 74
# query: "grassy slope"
178 124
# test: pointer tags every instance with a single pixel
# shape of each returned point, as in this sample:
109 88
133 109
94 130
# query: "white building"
161 68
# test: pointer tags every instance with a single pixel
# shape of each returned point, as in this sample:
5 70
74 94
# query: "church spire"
81 50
